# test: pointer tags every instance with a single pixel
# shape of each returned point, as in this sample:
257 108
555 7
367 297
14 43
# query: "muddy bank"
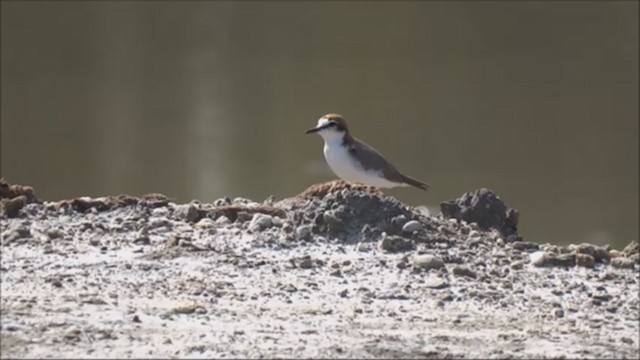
337 271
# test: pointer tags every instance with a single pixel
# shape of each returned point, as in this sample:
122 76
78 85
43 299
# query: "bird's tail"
416 183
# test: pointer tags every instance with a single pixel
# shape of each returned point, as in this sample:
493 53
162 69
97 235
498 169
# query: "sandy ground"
334 273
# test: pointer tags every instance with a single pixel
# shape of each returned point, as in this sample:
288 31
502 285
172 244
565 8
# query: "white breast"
347 168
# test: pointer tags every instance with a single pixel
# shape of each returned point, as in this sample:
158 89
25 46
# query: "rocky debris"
136 277
484 208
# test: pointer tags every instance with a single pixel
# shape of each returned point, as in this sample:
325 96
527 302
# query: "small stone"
558 313
54 234
303 232
412 226
427 262
188 212
260 222
343 293
543 258
632 248
222 220
622 263
613 253
585 260
171 241
464 271
395 244
11 207
334 223
402 263
206 223
243 217
362 247
185 307
436 283
136 319
525 246
305 263
142 240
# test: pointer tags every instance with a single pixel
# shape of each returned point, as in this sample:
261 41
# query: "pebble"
464 271
412 226
260 222
394 243
185 307
622 263
427 262
332 221
585 260
303 232
436 283
206 223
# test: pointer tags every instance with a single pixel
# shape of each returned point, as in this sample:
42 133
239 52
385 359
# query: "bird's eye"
332 123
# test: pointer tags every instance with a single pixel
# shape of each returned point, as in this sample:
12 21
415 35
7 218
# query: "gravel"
338 271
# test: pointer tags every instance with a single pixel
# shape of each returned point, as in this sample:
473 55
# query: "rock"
599 253
11 207
464 271
142 240
206 223
243 217
395 244
303 232
362 247
427 262
412 226
188 212
484 208
305 262
54 234
613 253
436 283
543 258
585 260
525 246
185 307
260 222
622 263
333 222
631 249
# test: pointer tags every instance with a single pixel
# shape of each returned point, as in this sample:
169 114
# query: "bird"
354 161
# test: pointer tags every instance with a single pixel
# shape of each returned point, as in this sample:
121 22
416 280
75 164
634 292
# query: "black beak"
313 130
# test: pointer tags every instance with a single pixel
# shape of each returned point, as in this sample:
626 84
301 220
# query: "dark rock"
484 208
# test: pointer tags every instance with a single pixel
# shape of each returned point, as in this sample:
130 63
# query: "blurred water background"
537 101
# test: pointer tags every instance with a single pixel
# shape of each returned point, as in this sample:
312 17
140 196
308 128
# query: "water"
537 101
